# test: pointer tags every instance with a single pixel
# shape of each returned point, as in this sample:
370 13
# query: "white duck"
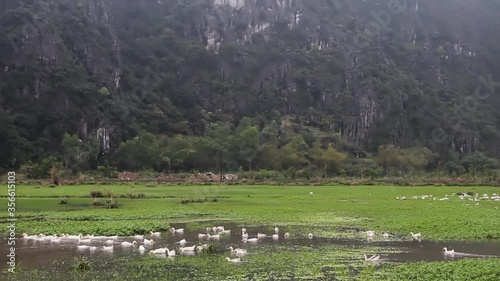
93 248
276 236
109 242
448 253
170 253
244 235
236 260
386 235
416 235
287 235
220 228
202 236
183 242
85 241
310 236
261 235
151 233
243 230
276 230
187 249
107 248
128 244
139 237
148 241
179 230
370 233
214 237
238 252
251 240
142 249
83 247
158 251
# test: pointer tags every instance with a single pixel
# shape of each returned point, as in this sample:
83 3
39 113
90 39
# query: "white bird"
261 235
214 229
107 248
448 253
372 258
148 241
243 230
236 260
83 247
128 244
215 237
141 248
187 249
139 237
158 251
310 236
287 235
154 233
251 240
416 235
55 240
276 236
93 248
244 235
386 235
238 252
226 232
109 242
183 242
202 235
112 237
370 233
220 228
310 193
276 230
179 230
85 241
170 253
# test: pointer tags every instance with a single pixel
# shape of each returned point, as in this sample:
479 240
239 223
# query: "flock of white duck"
462 196
87 242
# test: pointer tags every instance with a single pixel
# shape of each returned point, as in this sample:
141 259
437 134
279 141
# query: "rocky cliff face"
381 71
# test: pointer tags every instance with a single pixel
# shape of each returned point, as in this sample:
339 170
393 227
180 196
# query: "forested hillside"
319 86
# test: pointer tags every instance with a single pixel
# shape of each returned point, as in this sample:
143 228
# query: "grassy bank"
329 211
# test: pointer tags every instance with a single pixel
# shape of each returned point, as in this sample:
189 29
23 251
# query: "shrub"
262 175
291 173
82 264
98 203
96 194
200 200
112 204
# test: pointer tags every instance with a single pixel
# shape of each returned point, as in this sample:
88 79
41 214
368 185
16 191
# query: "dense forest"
324 87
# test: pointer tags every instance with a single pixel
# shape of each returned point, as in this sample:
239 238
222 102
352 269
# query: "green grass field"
331 212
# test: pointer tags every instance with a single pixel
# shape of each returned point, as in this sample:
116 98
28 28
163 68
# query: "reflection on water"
31 253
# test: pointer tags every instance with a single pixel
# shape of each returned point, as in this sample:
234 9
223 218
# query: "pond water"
32 254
